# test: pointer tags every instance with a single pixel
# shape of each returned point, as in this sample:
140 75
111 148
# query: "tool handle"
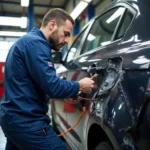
94 76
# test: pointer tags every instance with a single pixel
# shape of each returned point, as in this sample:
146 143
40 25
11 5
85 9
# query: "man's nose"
66 40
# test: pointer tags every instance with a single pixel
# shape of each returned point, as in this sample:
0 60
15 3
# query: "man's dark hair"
57 14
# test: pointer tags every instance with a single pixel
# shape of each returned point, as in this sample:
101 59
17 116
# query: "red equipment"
2 64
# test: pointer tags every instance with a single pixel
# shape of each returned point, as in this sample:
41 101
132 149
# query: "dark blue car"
115 45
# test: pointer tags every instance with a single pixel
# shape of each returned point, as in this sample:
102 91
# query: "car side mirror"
56 57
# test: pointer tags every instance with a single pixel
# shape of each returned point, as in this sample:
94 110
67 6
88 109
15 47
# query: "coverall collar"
39 32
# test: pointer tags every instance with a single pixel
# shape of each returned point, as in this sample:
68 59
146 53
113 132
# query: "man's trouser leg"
10 145
44 139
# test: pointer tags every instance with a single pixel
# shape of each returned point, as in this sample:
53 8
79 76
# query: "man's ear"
52 25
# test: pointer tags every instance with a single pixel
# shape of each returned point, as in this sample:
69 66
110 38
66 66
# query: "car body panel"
120 106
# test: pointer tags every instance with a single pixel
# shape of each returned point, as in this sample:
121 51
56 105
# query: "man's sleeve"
38 60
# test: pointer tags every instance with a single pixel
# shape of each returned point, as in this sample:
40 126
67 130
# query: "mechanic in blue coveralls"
29 78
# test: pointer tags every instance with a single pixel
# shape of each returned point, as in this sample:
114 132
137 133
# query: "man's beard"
54 40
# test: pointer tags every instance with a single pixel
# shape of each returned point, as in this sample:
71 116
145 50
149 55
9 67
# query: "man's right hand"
86 85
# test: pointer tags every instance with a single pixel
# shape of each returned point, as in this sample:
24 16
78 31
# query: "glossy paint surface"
120 87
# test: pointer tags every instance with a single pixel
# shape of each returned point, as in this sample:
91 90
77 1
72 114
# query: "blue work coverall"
29 77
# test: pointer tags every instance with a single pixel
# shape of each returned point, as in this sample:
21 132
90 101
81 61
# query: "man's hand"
86 85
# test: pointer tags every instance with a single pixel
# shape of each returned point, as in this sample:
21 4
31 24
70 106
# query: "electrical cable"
81 115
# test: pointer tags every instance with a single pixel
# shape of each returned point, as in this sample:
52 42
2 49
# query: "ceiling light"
79 9
13 21
24 3
23 21
12 34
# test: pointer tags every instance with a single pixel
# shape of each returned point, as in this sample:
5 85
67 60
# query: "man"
29 78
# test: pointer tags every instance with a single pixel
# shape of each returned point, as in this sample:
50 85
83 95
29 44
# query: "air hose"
81 115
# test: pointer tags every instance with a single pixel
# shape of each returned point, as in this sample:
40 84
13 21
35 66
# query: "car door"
58 112
61 107
94 54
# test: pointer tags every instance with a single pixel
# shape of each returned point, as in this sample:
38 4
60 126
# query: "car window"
102 30
125 24
74 48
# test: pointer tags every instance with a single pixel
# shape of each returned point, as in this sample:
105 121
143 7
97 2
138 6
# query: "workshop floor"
2 140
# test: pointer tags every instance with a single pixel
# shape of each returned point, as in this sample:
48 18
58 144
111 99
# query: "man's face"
60 36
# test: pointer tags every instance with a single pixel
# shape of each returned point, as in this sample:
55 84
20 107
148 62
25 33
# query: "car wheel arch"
93 142
103 134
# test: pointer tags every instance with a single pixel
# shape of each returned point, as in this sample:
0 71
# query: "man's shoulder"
33 43
29 37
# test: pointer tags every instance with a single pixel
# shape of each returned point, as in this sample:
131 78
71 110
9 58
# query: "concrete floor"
2 140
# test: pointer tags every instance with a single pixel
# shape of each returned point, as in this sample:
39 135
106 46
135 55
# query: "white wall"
5 44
